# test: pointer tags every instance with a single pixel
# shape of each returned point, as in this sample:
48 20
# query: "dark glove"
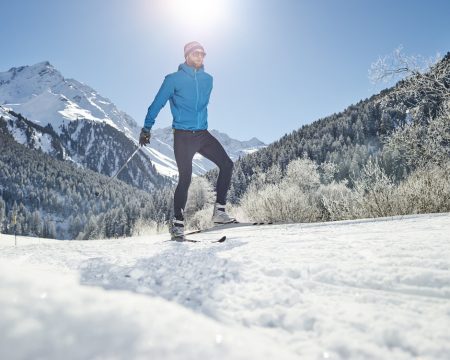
144 138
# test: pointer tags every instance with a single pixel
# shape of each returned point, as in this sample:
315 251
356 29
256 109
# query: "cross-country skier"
188 91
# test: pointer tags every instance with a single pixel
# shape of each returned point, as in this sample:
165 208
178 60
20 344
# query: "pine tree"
2 214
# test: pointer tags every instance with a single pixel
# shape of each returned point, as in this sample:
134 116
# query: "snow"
42 141
60 319
18 134
40 93
164 164
250 151
372 289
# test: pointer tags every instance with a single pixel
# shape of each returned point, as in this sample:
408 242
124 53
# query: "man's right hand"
144 138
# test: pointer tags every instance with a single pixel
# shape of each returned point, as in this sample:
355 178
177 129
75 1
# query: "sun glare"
197 14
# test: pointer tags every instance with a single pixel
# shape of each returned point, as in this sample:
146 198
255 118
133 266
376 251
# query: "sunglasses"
199 53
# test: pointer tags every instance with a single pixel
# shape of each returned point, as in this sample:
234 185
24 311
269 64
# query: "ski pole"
15 228
97 193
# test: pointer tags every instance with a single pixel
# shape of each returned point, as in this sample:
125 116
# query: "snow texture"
368 289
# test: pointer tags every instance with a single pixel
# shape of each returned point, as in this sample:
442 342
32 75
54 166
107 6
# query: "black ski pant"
186 144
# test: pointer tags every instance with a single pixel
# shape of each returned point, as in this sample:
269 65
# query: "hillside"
91 145
365 289
349 138
52 198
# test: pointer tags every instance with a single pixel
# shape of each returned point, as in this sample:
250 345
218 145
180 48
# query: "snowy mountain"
92 145
364 289
71 110
41 94
71 121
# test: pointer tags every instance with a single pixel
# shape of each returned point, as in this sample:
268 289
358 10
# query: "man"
188 91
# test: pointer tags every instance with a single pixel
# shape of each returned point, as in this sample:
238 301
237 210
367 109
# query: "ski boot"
220 216
177 230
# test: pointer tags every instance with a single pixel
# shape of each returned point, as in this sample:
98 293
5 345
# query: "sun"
212 21
197 14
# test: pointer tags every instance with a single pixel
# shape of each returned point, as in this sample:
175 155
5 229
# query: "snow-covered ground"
377 289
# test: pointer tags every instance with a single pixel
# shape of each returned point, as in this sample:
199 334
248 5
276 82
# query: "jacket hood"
190 69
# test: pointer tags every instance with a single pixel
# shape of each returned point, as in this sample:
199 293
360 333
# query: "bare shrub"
144 227
200 195
201 219
426 190
293 199
338 201
373 192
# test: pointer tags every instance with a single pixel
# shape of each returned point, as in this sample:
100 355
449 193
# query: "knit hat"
191 47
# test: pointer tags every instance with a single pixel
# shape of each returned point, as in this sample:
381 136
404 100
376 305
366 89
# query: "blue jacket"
188 91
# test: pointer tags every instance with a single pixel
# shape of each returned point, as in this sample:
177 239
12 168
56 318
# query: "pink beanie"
191 47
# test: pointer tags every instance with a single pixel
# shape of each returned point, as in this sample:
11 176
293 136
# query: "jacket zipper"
196 102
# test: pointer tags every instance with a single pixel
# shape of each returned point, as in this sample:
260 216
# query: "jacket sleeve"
165 92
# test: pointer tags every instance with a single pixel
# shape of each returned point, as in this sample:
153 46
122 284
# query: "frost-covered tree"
2 214
426 190
374 190
200 195
36 223
34 183
291 199
303 173
424 85
398 65
419 145
337 200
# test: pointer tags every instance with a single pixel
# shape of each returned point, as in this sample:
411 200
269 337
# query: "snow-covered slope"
71 121
42 95
369 289
92 145
33 136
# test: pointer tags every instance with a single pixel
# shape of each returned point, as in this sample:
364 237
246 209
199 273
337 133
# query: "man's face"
195 58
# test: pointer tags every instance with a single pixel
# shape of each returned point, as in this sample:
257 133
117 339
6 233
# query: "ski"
230 225
221 240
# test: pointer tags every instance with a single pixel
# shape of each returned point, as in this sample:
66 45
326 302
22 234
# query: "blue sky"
277 64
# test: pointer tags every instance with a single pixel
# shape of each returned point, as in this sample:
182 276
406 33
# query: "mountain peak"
41 93
43 65
41 72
